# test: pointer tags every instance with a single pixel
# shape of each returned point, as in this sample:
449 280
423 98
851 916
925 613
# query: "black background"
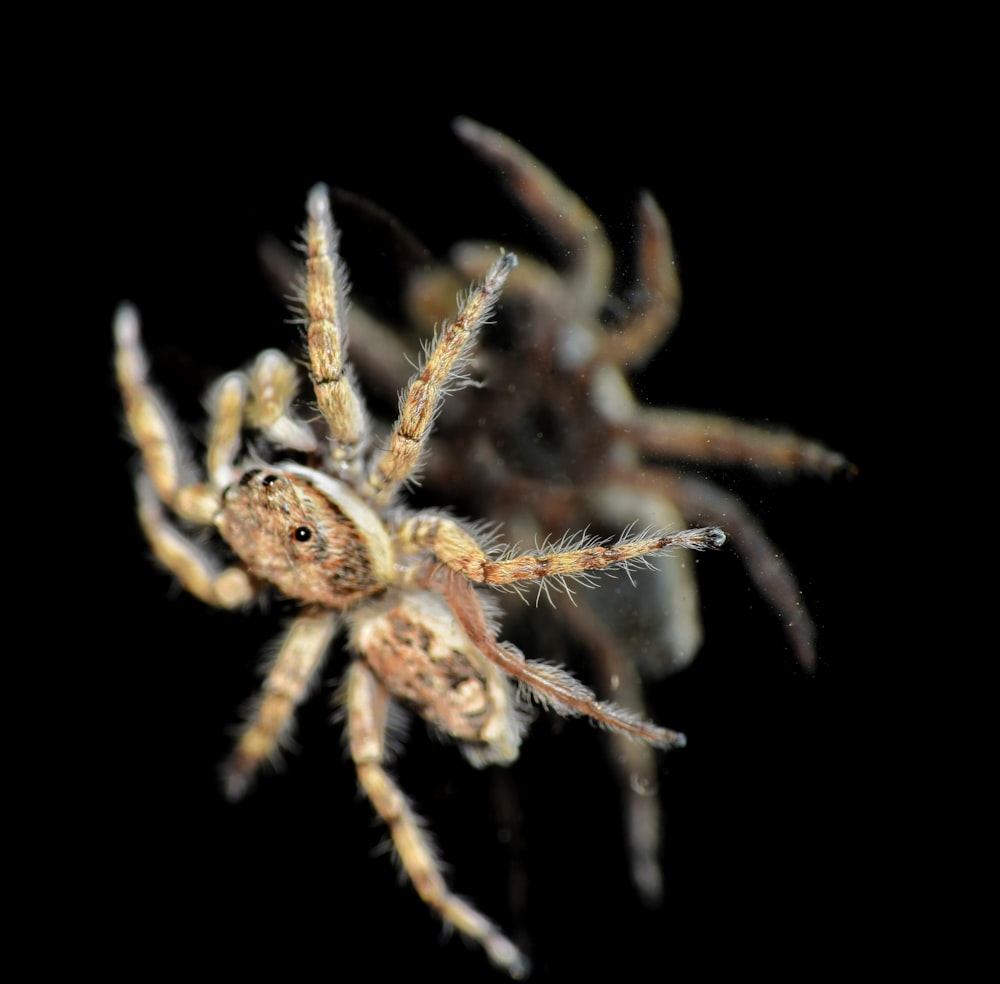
771 811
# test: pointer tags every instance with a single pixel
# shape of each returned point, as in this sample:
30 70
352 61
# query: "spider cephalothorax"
312 539
322 522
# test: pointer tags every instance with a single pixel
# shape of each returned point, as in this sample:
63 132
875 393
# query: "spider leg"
534 280
423 395
558 210
337 395
195 568
583 290
367 708
165 455
653 314
551 686
662 627
659 629
377 350
669 633
634 762
545 329
227 405
706 438
763 562
166 479
289 680
457 548
654 628
273 381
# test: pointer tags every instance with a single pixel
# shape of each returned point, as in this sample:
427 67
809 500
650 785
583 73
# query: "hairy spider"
556 440
316 512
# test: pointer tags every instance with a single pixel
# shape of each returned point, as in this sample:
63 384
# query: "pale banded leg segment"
273 381
195 568
337 396
159 437
226 403
423 395
155 430
457 548
378 351
367 707
167 480
288 682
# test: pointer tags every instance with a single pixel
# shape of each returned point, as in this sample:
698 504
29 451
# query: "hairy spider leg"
337 394
289 680
167 478
367 708
441 372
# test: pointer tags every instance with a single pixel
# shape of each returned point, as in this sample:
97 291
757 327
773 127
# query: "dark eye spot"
269 479
303 533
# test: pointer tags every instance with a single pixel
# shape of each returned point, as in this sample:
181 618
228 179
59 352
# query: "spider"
580 451
316 512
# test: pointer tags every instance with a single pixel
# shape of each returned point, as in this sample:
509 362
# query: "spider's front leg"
558 210
167 474
367 708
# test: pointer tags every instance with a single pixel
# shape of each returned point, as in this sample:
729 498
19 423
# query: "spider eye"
269 479
302 533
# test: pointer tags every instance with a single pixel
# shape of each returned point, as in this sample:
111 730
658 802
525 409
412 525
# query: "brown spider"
321 520
556 440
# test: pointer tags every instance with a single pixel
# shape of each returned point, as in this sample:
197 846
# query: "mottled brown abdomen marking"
423 658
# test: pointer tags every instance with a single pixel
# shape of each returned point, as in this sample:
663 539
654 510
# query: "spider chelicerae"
315 510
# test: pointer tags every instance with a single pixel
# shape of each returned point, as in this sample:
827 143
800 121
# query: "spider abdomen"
418 650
